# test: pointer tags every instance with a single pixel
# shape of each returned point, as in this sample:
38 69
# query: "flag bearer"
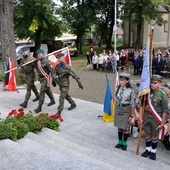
124 97
44 70
28 70
159 102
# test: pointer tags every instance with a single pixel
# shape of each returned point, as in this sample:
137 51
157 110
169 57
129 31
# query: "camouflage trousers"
64 95
30 86
45 90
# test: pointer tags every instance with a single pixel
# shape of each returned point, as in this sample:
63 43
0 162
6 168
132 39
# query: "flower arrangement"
17 124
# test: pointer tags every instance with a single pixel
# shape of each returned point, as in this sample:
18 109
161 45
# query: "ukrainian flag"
108 115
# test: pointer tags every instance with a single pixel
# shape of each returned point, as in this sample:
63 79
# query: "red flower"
20 114
20 110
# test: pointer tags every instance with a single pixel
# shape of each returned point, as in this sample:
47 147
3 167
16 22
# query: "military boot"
36 99
51 103
24 105
38 109
58 114
72 107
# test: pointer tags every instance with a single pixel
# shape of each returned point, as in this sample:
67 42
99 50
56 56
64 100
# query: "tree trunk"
81 44
109 39
37 42
7 30
138 38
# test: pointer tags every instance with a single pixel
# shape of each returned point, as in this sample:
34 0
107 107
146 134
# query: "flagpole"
143 100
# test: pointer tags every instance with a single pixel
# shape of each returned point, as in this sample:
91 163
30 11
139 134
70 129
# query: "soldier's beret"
60 55
124 75
40 51
156 77
24 49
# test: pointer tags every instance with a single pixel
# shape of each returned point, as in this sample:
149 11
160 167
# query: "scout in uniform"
124 97
28 70
44 70
159 101
63 71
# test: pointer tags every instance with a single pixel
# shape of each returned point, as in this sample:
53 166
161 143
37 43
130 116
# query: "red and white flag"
53 59
10 82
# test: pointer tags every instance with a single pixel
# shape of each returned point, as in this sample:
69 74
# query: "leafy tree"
78 15
35 19
136 11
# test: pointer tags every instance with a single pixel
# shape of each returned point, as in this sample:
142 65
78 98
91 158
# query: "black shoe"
36 99
24 105
124 148
72 107
118 146
51 103
152 156
146 154
37 110
58 114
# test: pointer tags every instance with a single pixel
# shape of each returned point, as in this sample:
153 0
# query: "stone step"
109 139
109 155
59 155
10 162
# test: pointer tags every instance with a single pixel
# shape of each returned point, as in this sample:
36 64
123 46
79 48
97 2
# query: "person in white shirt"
100 62
94 61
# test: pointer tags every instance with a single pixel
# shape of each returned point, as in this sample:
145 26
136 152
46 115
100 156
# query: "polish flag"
53 59
10 82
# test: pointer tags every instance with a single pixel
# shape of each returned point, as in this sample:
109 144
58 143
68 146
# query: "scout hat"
156 78
40 51
125 75
60 55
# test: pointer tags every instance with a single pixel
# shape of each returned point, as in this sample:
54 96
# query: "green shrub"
22 128
33 125
8 130
2 76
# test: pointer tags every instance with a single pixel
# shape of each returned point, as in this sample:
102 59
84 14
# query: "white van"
31 48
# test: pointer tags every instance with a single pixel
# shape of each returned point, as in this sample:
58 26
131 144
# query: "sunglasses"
154 82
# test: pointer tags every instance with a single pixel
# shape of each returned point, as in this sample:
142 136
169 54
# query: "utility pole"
115 25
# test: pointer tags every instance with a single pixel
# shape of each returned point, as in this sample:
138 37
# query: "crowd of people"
119 60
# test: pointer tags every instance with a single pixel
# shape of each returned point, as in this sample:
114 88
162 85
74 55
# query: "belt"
125 104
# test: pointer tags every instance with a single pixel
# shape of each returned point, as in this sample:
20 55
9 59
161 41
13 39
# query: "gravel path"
94 83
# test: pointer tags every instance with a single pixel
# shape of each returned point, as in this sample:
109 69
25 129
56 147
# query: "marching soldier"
28 70
63 71
44 70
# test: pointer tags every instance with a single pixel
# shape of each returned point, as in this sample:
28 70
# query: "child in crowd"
124 97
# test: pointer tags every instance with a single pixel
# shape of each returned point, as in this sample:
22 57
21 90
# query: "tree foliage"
136 11
35 19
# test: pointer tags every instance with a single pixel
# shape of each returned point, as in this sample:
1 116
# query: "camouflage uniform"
159 101
28 70
63 72
45 64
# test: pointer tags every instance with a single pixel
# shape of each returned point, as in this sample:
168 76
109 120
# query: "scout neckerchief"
120 100
156 116
48 77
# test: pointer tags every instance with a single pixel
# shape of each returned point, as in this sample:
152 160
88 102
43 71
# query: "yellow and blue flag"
108 115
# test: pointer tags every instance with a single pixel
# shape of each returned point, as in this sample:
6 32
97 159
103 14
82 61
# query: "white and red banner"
53 59
10 82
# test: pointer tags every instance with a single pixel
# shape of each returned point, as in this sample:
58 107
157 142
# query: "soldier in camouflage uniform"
63 71
45 71
28 70
159 102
